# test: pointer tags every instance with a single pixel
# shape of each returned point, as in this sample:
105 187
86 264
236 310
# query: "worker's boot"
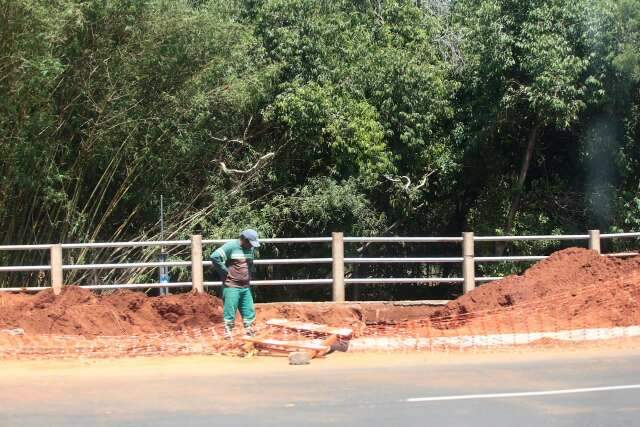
248 330
228 331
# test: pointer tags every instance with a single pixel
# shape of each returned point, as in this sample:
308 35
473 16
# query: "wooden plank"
331 340
286 344
317 328
278 345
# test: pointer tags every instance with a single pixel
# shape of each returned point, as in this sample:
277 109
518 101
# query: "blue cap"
252 236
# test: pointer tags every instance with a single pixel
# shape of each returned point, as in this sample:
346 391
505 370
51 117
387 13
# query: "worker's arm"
219 259
251 266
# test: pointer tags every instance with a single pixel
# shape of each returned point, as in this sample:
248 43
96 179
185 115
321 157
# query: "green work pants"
238 299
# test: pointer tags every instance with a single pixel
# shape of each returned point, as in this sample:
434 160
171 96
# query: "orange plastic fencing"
560 317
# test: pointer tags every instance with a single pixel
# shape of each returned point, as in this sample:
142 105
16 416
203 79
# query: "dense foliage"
302 117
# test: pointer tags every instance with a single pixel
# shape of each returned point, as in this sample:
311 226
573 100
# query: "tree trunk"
517 193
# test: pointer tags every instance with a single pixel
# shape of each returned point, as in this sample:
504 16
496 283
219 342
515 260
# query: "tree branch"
257 164
407 181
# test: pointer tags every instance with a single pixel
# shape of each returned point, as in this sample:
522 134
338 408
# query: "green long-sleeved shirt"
234 264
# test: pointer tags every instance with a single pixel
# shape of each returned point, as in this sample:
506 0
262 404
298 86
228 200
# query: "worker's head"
249 239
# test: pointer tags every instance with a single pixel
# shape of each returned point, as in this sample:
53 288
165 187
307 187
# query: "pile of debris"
300 341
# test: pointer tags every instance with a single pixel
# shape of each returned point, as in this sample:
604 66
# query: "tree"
369 87
526 73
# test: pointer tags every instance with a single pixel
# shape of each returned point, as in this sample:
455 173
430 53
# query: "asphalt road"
558 389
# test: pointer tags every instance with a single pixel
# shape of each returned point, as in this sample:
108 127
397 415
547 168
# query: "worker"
234 263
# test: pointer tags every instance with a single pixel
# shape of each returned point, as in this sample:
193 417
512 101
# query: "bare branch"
424 179
246 129
236 140
225 139
407 181
257 164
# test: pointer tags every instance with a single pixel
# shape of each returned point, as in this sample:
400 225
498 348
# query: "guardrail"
338 281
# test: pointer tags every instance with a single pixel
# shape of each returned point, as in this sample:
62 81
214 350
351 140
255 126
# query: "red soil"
572 288
78 311
329 314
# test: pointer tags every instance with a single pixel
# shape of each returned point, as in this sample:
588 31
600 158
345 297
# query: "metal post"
163 271
56 268
337 255
468 265
197 274
594 240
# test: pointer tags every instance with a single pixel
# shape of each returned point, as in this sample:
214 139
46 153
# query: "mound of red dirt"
330 314
78 311
572 287
322 313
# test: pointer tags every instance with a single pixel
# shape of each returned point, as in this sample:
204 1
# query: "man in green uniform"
234 262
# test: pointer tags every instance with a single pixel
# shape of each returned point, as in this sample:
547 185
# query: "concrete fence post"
56 268
594 240
197 275
468 264
337 255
